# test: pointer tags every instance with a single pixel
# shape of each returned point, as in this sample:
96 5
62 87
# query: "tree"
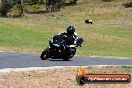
7 5
54 5
18 7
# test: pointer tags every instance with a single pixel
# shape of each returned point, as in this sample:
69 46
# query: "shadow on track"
59 60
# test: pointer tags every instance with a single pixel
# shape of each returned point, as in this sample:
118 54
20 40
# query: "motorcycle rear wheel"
45 54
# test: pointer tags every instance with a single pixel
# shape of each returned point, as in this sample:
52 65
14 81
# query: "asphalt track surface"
24 60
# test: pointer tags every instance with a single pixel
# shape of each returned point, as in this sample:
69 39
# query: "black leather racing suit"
70 40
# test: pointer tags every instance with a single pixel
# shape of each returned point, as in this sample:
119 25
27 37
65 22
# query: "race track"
24 60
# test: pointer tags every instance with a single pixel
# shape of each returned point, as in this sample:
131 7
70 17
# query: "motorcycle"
58 49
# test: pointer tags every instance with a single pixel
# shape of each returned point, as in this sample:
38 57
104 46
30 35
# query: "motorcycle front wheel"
45 54
68 57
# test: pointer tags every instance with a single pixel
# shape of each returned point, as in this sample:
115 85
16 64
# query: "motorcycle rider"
70 36
60 45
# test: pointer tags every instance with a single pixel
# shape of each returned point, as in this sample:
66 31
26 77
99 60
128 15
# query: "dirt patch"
60 78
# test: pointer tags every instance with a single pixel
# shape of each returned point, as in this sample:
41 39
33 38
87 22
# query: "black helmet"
70 30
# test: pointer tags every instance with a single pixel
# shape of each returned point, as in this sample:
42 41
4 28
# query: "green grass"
108 41
31 32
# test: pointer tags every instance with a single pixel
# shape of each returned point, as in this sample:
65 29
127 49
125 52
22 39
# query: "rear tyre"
45 54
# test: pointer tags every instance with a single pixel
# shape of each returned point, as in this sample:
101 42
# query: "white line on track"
7 70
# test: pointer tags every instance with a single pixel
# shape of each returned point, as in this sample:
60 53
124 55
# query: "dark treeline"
8 6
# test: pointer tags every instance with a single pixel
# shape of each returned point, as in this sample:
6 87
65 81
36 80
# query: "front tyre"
72 52
66 59
45 54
